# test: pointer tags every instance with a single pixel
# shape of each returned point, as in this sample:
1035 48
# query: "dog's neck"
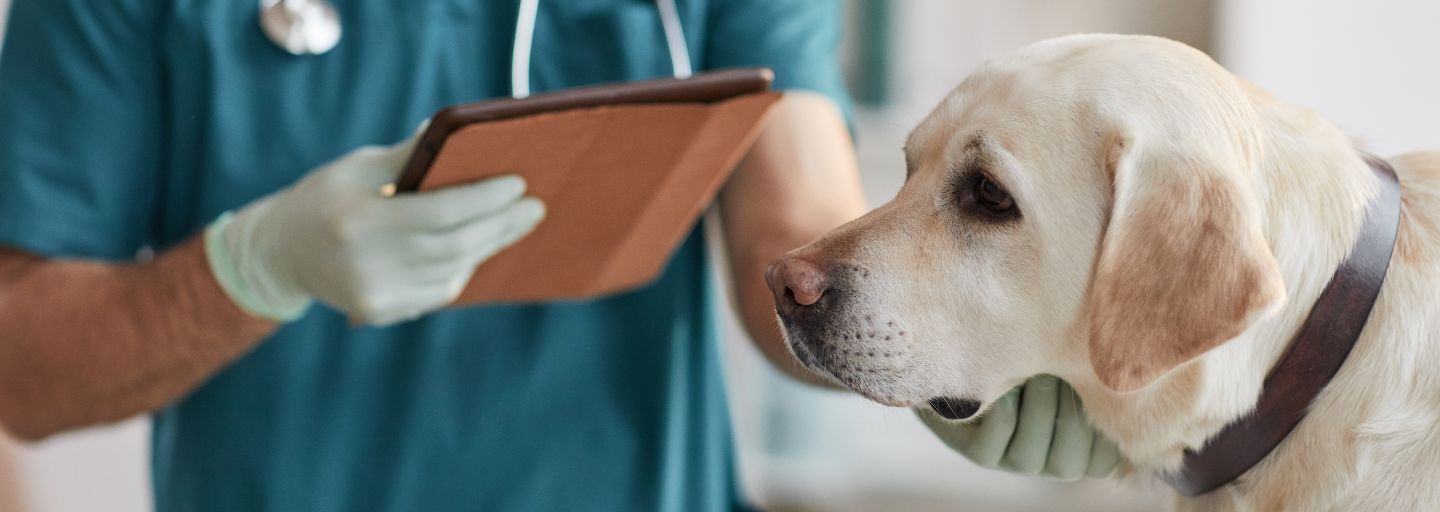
1314 187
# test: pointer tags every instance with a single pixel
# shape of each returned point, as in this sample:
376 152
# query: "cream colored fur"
969 308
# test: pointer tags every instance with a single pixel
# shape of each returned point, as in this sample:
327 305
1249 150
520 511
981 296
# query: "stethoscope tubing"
312 27
525 38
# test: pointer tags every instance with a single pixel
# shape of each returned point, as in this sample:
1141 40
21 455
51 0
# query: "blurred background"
1372 67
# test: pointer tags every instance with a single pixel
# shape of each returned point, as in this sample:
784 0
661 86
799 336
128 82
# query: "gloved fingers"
436 258
955 434
450 207
482 238
1104 457
460 249
1039 402
402 304
449 276
428 295
431 271
1070 448
994 432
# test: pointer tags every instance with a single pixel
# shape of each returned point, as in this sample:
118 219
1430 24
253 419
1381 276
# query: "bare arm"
83 342
799 181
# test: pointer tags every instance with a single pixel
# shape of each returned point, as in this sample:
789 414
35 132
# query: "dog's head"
1086 206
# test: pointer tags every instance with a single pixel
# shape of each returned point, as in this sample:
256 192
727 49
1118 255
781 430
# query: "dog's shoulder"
1419 238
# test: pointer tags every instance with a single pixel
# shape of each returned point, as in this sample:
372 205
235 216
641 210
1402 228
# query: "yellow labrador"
1048 225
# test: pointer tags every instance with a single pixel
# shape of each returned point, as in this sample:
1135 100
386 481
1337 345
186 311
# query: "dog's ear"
1183 266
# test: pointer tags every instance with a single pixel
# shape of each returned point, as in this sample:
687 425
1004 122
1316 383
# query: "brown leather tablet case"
625 171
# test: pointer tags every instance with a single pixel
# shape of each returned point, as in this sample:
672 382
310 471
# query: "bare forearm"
798 182
85 342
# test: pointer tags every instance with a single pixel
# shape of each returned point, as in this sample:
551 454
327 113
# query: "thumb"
397 155
407 146
382 165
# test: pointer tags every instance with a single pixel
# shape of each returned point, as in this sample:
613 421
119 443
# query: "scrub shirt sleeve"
799 39
81 116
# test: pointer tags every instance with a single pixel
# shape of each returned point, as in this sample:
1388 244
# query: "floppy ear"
1183 266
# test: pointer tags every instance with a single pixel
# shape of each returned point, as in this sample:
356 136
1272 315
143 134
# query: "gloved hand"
1037 428
335 237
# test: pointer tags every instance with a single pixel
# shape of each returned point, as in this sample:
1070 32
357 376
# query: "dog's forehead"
995 106
1051 82
990 97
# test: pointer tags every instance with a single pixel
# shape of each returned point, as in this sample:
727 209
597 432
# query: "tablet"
625 171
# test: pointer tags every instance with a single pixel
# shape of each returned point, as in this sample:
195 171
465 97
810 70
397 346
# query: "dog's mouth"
953 408
814 353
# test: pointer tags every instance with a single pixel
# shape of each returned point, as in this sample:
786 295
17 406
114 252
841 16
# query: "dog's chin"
948 407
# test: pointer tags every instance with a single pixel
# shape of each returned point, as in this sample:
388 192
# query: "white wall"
1373 66
941 41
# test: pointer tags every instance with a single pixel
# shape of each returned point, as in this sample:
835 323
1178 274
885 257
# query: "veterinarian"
189 227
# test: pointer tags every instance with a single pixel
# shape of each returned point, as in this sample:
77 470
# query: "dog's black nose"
796 282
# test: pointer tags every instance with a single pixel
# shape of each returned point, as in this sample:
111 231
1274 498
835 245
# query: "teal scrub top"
127 124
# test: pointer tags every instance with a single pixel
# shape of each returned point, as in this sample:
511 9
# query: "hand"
334 237
1037 428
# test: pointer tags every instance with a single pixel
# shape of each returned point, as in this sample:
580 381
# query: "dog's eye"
993 198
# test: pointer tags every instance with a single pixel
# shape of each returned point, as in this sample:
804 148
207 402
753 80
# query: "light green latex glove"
1037 428
335 237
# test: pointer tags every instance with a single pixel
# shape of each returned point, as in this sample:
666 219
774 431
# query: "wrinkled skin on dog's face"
980 272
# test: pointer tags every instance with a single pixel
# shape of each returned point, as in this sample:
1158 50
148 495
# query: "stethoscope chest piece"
301 27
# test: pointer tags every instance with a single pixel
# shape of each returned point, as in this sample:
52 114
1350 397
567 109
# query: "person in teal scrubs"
129 126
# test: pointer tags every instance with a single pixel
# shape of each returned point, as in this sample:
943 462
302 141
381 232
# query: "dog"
1124 213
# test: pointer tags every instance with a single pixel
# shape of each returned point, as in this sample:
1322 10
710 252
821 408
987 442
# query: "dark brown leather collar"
1313 357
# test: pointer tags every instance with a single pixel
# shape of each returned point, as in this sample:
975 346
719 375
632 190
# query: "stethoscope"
312 27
